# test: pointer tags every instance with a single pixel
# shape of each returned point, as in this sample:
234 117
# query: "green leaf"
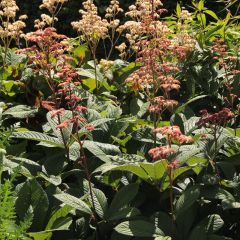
40 137
61 213
40 235
229 204
182 107
213 192
165 225
74 202
32 194
138 228
92 147
197 163
209 225
212 14
100 202
187 199
178 10
124 213
150 172
21 111
123 198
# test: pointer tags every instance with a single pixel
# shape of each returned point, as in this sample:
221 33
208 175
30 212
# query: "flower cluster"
161 152
53 6
91 26
47 45
158 55
173 133
49 58
229 65
111 12
10 27
219 118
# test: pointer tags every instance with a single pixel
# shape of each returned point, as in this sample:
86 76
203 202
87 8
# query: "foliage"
128 130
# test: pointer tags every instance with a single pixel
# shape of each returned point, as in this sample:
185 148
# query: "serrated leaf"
123 198
187 199
60 213
40 137
74 202
21 111
100 202
138 228
209 225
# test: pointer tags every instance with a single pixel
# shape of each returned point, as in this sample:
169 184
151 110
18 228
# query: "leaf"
182 107
40 235
187 199
150 172
21 111
138 228
32 194
100 202
178 10
212 14
124 213
55 180
123 198
197 163
74 202
209 225
60 213
229 204
163 221
40 137
216 193
92 147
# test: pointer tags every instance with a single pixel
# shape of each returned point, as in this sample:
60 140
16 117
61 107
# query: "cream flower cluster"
111 12
92 26
52 5
45 20
10 28
143 8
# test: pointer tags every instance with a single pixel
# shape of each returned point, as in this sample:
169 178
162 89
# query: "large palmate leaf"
151 172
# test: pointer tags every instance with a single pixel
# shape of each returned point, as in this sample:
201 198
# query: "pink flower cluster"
174 133
160 152
219 118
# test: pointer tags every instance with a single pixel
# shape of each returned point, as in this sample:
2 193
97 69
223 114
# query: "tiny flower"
81 109
57 112
63 125
174 164
160 152
89 127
